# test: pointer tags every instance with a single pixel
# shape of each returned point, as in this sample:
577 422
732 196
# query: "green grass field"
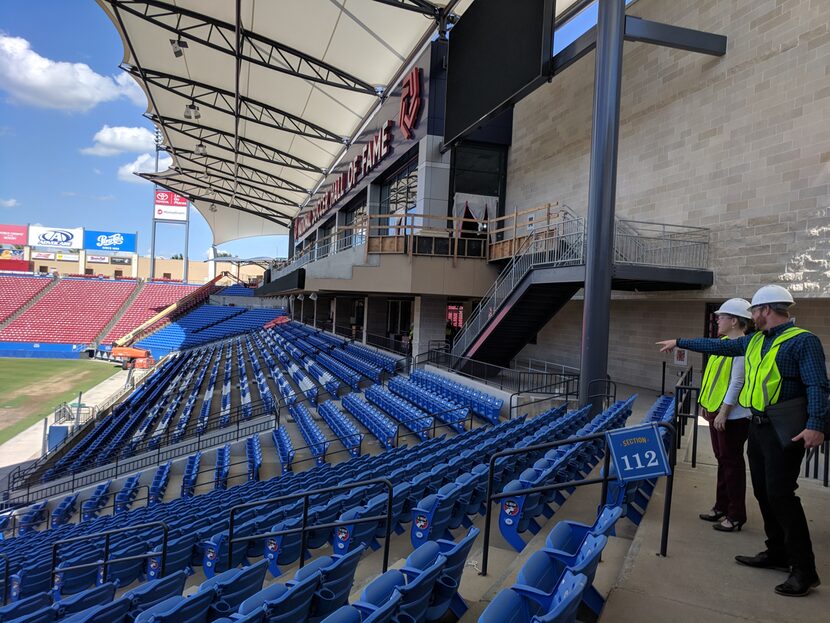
30 389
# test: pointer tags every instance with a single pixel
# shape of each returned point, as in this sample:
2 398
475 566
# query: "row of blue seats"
559 465
253 455
223 467
376 422
236 289
484 405
191 475
184 521
556 579
404 412
445 410
345 430
284 448
315 439
84 453
265 393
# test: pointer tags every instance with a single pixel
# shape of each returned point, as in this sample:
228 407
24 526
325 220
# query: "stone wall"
738 144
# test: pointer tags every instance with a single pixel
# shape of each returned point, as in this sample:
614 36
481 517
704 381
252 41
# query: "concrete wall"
636 325
430 321
739 144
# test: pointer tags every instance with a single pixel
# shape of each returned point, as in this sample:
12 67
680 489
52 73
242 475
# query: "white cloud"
9 203
30 78
97 171
111 141
145 163
105 198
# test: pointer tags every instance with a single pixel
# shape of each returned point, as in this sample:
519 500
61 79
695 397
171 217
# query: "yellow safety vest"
763 380
715 382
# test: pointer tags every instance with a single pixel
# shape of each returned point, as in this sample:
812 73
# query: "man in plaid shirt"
785 367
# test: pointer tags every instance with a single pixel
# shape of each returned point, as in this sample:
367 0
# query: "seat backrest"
25 606
150 593
566 600
102 594
115 612
193 609
236 588
295 604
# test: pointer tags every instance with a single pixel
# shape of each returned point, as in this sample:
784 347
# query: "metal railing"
561 245
305 528
686 407
505 379
532 364
658 244
492 496
106 561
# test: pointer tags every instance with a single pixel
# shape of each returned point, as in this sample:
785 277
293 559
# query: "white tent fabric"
279 87
257 99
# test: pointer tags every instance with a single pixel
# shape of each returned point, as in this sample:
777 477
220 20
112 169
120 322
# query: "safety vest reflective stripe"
763 379
715 382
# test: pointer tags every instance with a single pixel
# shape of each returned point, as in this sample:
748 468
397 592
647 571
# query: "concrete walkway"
28 445
699 580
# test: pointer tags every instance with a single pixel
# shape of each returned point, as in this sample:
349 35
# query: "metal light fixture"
191 111
300 297
212 207
178 46
313 296
291 298
200 149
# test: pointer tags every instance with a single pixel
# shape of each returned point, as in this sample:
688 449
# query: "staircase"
122 310
549 268
27 305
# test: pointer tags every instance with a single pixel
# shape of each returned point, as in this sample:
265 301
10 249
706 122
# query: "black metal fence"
492 496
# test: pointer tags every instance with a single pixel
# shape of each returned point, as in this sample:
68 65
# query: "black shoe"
763 561
798 584
712 515
727 525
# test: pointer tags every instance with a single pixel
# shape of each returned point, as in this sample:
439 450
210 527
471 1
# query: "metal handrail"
563 244
304 528
6 574
606 477
106 562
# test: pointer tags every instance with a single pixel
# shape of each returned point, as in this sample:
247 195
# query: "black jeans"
774 472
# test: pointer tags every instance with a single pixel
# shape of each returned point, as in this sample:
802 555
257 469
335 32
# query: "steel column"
602 188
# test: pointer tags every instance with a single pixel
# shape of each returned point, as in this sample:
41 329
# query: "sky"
72 131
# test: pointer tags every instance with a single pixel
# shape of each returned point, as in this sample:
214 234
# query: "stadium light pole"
153 220
602 189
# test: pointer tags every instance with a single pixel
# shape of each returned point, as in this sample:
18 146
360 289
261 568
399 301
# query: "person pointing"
786 389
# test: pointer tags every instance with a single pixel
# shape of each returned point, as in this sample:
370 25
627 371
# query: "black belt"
759 417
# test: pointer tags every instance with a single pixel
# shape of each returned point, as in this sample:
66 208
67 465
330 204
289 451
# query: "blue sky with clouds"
72 131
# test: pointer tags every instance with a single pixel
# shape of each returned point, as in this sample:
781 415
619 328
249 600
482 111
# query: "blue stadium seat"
193 609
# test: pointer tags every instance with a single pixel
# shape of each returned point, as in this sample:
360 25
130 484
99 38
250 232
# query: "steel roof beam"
193 190
227 140
416 6
222 100
255 48
225 167
227 184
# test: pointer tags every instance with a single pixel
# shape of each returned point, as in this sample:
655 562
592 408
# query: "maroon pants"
728 445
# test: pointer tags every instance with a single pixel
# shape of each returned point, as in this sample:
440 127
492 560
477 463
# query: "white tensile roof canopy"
257 99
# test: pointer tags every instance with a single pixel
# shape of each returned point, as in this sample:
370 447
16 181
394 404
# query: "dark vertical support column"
601 197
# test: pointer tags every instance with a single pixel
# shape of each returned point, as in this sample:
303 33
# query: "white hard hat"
735 307
768 295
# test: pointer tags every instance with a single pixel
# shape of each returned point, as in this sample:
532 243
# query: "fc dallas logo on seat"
410 102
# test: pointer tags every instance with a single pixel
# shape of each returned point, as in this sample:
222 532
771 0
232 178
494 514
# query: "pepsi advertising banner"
109 241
